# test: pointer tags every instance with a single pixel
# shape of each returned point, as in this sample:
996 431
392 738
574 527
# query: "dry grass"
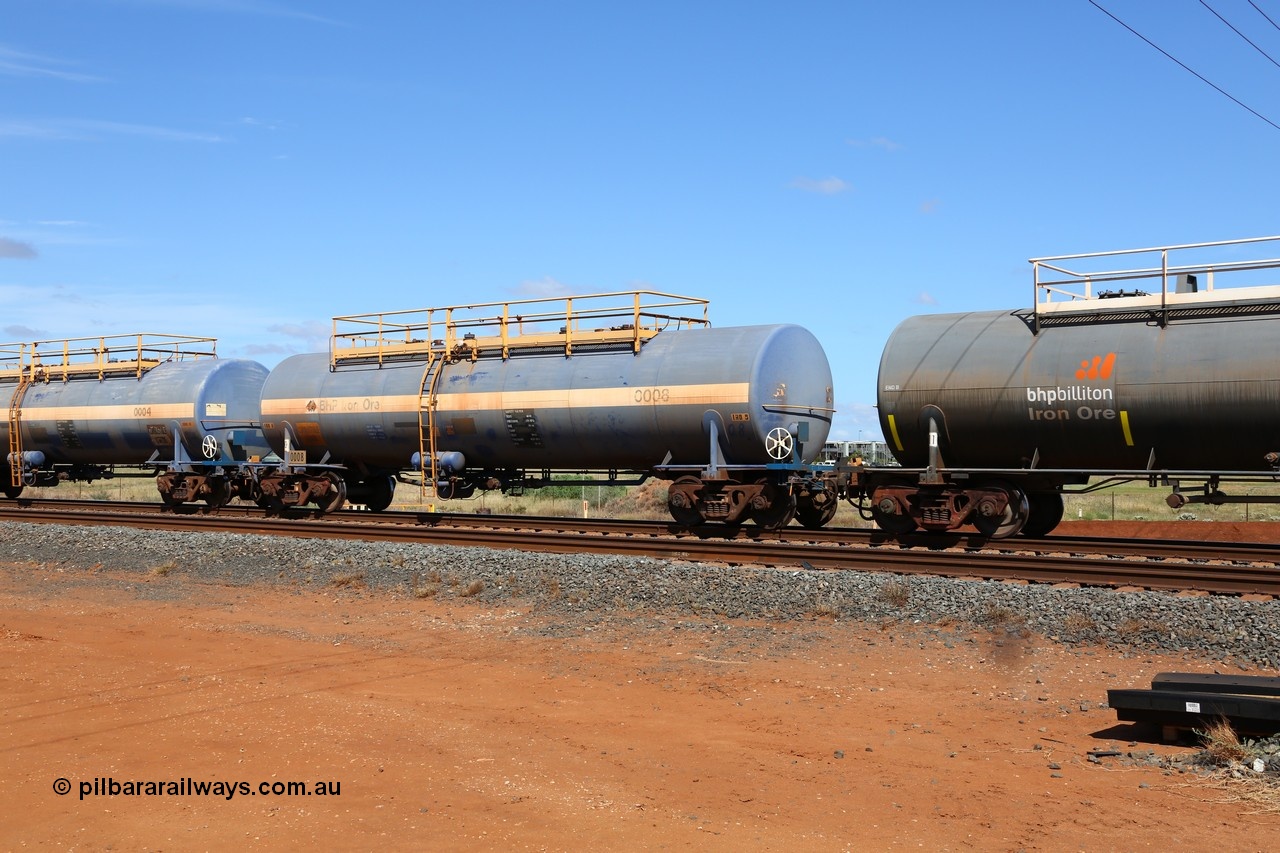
1079 624
474 588
1133 628
826 609
996 615
896 593
1258 796
427 589
350 580
1221 743
164 569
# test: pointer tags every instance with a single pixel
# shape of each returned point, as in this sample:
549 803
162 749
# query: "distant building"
870 452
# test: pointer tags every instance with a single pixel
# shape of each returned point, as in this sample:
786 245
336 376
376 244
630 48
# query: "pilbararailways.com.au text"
107 786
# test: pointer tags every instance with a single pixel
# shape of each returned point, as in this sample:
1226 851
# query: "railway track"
1230 568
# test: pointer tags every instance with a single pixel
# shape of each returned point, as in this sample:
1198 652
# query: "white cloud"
822 186
924 298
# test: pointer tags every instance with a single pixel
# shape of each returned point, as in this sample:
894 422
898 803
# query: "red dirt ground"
452 726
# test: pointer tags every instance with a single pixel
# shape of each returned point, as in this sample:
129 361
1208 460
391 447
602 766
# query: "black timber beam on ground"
1199 682
1187 709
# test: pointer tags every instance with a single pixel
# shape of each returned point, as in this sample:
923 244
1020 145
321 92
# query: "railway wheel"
1044 514
891 522
1001 525
815 516
12 492
778 510
219 493
682 501
886 506
336 495
381 492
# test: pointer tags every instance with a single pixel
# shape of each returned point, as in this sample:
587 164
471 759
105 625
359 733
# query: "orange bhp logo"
1100 368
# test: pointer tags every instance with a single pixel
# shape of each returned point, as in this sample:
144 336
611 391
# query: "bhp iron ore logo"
1091 403
1100 369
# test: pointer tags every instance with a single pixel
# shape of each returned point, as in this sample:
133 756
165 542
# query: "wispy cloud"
306 330
924 298
16 249
17 63
929 206
880 142
822 186
95 309
91 130
56 232
543 288
290 338
263 8
265 124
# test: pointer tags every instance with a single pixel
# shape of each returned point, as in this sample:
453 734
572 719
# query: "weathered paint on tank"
595 410
122 420
1199 393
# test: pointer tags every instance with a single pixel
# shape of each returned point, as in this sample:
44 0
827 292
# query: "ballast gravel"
1226 628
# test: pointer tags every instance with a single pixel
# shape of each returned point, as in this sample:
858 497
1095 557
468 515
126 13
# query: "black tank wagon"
1152 372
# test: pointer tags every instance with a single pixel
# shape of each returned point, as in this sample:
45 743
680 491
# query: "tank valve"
1177 500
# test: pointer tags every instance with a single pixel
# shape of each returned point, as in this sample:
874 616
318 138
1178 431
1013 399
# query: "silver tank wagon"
475 402
80 409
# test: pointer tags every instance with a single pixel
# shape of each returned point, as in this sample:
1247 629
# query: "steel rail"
1237 577
1185 550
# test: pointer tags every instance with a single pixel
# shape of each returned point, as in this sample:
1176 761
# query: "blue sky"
246 169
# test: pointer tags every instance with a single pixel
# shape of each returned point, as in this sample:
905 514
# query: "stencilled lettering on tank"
343 405
653 395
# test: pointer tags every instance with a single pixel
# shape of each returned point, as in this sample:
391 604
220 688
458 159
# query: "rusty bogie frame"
723 500
179 487
283 489
769 501
995 507
290 483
